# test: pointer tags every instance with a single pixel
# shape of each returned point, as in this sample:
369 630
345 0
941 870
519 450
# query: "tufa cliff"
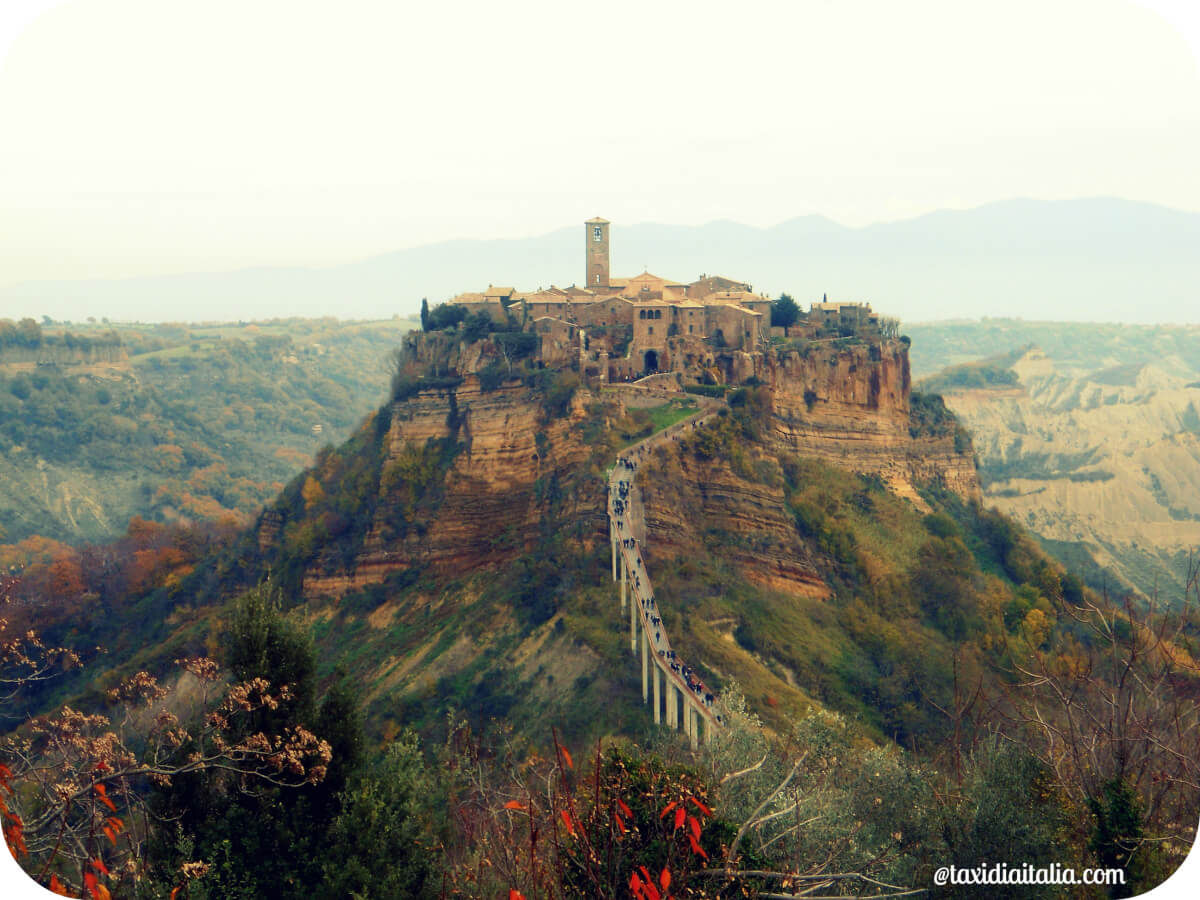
471 465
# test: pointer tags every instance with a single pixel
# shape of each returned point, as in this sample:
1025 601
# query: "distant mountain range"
1098 259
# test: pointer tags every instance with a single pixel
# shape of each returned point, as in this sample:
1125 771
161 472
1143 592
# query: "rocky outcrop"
847 405
511 463
684 500
850 406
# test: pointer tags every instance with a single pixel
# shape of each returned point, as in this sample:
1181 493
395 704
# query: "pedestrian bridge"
677 695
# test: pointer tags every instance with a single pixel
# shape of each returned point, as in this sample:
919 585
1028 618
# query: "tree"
476 326
424 314
784 312
447 315
260 839
29 332
1115 717
378 845
77 784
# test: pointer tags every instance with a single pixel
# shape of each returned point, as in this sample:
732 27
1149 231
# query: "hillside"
816 548
1093 444
453 554
174 423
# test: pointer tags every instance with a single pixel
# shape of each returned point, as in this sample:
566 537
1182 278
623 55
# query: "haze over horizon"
1097 259
147 139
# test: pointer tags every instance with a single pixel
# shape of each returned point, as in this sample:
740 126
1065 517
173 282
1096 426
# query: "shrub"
492 376
447 315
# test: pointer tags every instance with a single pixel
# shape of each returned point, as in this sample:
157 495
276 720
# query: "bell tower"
596 252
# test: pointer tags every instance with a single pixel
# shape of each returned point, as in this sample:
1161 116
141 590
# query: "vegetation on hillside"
203 422
913 718
1080 346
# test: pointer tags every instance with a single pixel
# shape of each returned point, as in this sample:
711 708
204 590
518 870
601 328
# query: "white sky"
152 136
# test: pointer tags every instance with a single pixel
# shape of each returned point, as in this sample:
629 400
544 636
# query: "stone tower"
596 252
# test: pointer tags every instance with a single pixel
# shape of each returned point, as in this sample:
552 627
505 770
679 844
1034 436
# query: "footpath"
687 700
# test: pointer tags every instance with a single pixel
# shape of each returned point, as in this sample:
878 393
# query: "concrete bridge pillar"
692 720
657 675
624 579
612 541
645 666
633 625
672 707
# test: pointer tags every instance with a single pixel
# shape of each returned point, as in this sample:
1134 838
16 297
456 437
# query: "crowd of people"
619 493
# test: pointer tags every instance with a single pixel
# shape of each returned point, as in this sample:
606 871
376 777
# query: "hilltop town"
621 329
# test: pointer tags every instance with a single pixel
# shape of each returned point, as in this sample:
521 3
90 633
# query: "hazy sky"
152 136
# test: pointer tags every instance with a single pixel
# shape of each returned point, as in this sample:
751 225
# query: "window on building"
690 329
597 233
650 330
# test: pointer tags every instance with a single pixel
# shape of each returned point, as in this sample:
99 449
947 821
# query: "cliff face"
851 407
510 462
683 499
47 354
1108 461
847 406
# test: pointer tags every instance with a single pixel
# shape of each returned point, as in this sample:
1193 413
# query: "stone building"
628 326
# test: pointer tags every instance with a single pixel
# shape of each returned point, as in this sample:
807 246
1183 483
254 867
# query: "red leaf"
115 824
566 817
98 865
620 823
110 834
107 802
514 804
514 894
175 890
700 806
670 806
665 879
680 813
56 887
651 891
625 809
695 826
567 758
635 884
101 789
89 882
696 848
645 873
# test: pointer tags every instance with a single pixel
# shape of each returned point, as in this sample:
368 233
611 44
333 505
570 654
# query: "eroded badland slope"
1106 462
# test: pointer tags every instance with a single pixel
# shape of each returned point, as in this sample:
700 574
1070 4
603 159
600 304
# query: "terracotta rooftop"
742 309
